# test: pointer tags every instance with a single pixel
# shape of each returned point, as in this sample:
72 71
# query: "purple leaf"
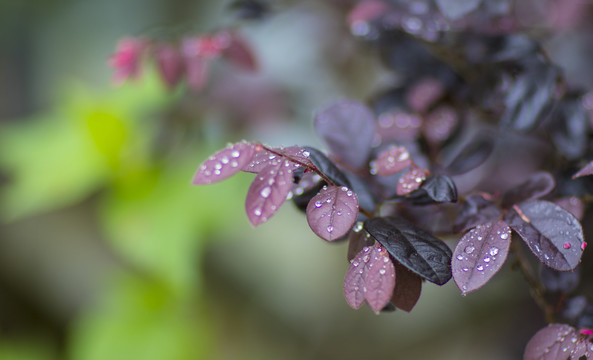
586 170
536 186
583 347
408 287
412 247
224 163
479 255
327 167
268 191
476 210
435 189
411 180
354 282
391 160
263 158
380 279
552 233
348 127
456 9
238 52
370 277
399 125
554 342
332 212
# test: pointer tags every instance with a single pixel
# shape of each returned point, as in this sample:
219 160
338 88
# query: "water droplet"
459 257
265 192
479 238
289 196
355 263
385 259
349 193
469 249
382 271
504 236
465 269
567 245
217 172
224 160
487 259
403 156
235 154
344 188
257 212
366 249
328 200
330 229
493 251
318 204
480 268
218 166
358 227
306 153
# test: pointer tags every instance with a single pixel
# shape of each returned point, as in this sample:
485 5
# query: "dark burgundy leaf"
476 210
348 127
564 281
332 212
410 181
472 155
408 287
391 160
569 127
479 255
573 205
537 185
554 342
380 280
268 191
435 189
224 163
586 170
327 167
412 247
531 96
358 240
456 9
552 233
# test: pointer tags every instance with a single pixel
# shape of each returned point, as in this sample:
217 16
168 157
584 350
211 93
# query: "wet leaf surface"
553 234
224 164
476 210
480 254
332 212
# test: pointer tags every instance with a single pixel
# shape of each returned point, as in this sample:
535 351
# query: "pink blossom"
127 58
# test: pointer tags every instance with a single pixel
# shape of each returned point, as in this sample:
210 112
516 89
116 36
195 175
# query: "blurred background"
108 252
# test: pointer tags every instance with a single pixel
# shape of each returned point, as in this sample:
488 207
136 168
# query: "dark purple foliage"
332 212
440 124
472 155
537 185
327 167
479 255
570 122
348 128
552 233
435 189
224 163
408 287
268 191
412 247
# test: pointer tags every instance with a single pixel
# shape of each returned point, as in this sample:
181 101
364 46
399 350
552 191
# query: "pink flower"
126 59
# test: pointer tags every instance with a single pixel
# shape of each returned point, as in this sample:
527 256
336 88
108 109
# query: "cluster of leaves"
188 59
478 109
